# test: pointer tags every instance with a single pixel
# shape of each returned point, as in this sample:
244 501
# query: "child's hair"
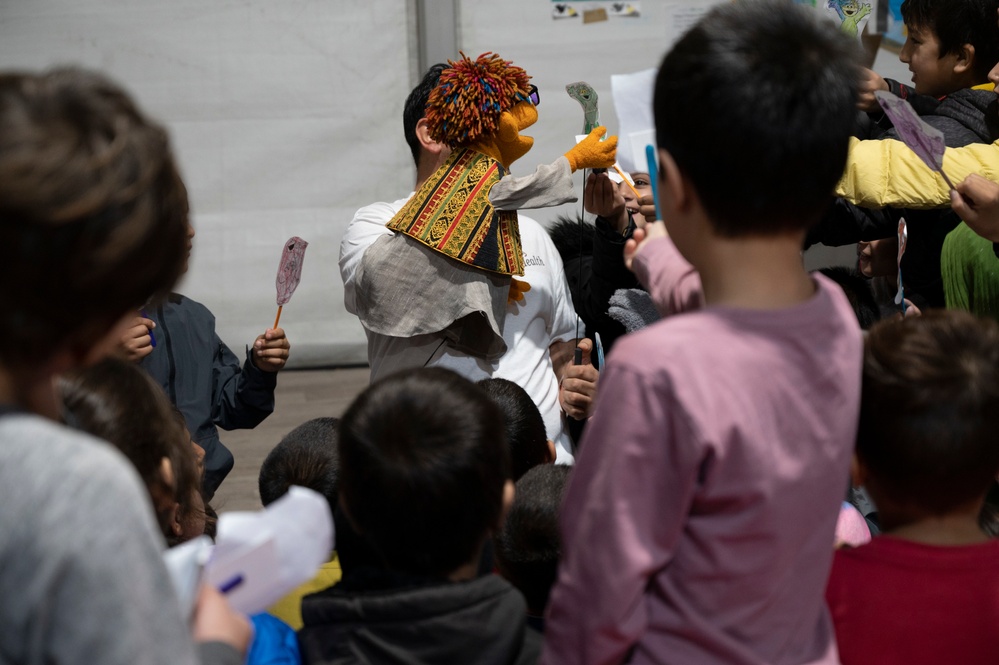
756 104
956 23
528 546
307 456
416 107
423 465
93 214
525 428
120 403
930 409
858 291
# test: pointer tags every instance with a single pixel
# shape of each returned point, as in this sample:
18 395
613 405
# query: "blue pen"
650 156
231 584
152 337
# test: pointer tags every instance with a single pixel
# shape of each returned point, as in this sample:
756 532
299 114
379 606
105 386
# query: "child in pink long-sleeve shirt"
698 523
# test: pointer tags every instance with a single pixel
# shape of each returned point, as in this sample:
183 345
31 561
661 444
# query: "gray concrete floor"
300 396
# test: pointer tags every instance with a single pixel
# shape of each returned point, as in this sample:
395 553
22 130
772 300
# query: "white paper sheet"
185 564
271 551
632 94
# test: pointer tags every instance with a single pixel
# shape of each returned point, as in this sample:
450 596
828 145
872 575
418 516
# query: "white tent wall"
286 117
556 52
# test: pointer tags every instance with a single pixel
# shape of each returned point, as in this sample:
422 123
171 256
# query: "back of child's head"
930 410
423 464
529 545
858 291
756 104
956 23
307 456
93 214
525 428
119 402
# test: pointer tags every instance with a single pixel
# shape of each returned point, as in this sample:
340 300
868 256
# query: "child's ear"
965 59
508 494
175 526
674 189
552 453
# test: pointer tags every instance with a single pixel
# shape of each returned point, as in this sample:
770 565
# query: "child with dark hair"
698 523
528 546
525 429
202 376
118 402
858 291
950 47
928 590
93 218
307 456
425 479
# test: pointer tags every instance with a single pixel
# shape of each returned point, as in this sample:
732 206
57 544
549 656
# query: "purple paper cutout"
290 269
927 142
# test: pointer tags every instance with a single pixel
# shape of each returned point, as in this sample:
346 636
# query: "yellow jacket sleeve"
888 173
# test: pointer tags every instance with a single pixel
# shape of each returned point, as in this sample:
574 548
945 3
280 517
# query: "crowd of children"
702 521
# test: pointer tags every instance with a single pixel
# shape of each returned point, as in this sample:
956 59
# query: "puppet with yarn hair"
448 270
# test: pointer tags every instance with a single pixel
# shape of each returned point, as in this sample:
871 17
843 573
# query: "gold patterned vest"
451 213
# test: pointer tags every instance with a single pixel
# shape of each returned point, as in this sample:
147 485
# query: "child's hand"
578 386
647 209
215 621
639 237
601 197
270 350
870 81
135 343
976 201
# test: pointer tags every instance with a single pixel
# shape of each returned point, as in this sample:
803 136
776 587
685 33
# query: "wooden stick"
627 182
278 317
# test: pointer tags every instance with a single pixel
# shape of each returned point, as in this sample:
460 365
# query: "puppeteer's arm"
549 185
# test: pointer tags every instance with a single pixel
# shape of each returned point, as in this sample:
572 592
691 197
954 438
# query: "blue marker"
650 156
231 584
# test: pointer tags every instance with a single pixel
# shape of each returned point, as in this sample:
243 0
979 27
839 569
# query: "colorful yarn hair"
470 96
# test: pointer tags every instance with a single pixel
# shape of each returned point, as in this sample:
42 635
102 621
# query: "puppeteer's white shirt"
544 317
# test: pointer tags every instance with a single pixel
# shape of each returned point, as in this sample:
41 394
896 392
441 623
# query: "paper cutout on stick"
903 239
926 141
290 269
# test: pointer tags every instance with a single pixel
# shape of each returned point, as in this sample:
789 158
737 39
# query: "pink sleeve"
624 512
673 283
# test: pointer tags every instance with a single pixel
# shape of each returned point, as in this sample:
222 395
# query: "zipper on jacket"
172 374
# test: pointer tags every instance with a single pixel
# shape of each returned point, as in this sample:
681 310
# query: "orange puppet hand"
592 153
517 291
